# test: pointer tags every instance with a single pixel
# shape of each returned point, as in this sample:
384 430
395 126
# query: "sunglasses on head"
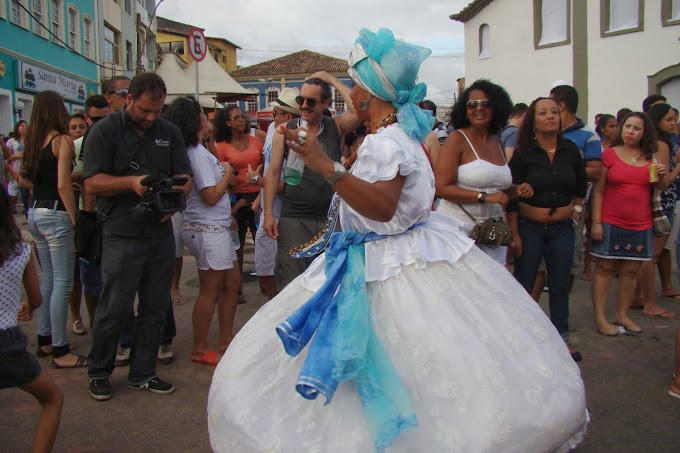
483 102
311 102
120 91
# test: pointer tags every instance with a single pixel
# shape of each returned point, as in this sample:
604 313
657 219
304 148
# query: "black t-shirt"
555 184
114 148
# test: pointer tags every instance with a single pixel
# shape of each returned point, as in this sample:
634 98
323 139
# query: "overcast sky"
267 29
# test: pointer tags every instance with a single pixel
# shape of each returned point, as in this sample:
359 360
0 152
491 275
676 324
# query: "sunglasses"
120 91
237 117
311 102
483 102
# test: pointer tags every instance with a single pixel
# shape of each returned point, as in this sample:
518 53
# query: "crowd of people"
392 207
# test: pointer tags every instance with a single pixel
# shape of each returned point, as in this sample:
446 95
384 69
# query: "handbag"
662 226
89 236
493 233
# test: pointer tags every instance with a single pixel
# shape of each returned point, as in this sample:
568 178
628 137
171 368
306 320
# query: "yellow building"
223 51
172 37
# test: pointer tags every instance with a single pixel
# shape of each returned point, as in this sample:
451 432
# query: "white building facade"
614 52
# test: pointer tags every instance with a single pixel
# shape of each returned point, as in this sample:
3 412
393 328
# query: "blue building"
268 78
45 45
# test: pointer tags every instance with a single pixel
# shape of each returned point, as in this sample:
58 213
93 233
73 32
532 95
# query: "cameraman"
137 256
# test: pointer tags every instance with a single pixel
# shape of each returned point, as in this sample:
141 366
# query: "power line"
58 38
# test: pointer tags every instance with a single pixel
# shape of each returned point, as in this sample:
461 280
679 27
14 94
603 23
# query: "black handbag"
493 233
89 236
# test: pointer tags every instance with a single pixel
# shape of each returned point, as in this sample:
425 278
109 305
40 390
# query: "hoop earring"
535 136
363 105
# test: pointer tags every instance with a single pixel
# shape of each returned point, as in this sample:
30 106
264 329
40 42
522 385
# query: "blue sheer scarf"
344 346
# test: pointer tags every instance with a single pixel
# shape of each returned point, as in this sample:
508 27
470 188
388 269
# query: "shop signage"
34 78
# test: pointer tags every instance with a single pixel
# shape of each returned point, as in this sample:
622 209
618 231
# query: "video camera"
159 198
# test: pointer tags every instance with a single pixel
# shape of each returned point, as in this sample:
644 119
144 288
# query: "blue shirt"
586 140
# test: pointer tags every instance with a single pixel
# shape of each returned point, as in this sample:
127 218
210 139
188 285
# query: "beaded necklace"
389 119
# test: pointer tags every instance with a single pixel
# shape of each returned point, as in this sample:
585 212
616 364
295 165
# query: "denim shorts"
17 365
620 243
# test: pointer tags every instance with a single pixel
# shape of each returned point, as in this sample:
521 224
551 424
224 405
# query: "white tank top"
479 176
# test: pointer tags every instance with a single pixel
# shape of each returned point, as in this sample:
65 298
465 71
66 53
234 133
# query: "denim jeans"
131 266
553 242
169 330
53 234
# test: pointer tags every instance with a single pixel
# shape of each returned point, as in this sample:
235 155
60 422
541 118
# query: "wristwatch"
578 208
339 171
481 197
254 179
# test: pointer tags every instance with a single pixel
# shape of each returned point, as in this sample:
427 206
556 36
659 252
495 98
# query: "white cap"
558 83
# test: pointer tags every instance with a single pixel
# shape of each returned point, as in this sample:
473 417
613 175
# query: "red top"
239 160
627 198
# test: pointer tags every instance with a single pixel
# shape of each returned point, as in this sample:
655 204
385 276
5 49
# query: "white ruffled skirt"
483 365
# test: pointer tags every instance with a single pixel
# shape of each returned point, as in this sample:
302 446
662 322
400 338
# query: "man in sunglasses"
305 206
116 90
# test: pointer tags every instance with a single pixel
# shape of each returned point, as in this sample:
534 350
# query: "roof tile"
303 62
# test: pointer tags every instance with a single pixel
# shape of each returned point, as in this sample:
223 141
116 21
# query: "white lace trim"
437 239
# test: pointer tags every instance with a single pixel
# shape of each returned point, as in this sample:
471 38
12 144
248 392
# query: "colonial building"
614 52
173 37
45 45
270 77
126 37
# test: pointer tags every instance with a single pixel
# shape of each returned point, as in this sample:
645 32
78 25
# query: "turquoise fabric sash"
344 346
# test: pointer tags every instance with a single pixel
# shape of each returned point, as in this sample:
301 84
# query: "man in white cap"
285 109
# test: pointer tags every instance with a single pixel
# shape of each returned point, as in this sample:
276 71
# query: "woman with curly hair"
207 220
47 165
622 228
543 224
472 177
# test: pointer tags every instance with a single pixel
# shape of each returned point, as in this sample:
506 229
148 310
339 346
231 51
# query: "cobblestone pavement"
626 382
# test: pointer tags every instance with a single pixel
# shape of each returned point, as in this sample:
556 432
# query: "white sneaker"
165 354
123 356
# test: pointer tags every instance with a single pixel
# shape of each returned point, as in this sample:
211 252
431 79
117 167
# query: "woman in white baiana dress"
457 357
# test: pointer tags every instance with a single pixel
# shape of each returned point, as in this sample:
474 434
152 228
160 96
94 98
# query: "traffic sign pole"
198 47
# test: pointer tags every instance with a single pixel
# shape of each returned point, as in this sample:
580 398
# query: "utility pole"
142 36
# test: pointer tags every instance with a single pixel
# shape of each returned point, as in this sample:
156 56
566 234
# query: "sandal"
241 299
208 358
78 328
81 362
179 299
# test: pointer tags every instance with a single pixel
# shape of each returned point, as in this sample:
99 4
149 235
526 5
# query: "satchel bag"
89 237
662 226
493 233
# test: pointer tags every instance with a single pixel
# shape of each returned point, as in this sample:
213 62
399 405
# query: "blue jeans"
53 234
553 242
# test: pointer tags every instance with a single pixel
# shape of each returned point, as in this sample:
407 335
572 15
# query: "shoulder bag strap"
468 214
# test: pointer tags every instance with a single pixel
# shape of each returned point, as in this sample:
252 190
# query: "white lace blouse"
417 235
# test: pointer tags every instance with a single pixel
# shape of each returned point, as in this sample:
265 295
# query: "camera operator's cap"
286 101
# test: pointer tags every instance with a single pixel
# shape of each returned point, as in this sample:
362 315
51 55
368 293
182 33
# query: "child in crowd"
19 368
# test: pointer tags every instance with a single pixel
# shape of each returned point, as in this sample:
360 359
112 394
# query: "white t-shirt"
208 171
267 157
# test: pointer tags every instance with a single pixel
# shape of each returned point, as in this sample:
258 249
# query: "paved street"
626 382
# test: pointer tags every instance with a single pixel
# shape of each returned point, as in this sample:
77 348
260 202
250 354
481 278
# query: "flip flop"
78 328
207 359
673 394
626 328
673 297
664 315
179 299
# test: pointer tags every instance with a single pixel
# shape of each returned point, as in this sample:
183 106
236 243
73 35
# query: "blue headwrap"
388 69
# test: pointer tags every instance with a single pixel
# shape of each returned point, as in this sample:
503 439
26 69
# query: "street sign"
198 46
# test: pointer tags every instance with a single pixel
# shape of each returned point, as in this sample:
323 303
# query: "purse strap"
468 214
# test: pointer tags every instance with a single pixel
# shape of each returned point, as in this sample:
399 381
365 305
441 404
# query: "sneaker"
155 385
123 356
165 354
100 389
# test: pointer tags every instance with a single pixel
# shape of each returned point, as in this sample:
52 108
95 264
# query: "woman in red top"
234 144
622 219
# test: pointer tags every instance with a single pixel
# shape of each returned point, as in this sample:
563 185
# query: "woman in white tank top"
471 171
